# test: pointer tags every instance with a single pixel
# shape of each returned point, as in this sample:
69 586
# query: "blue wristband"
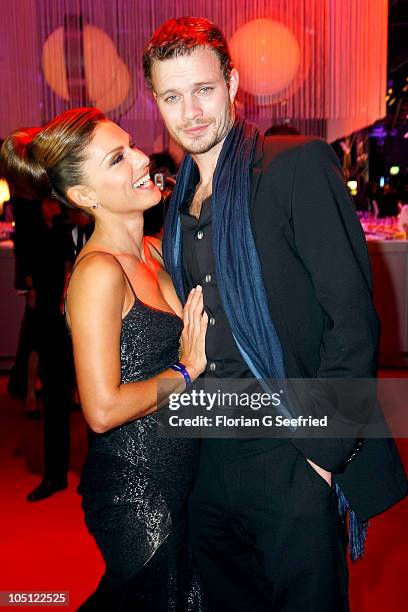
179 367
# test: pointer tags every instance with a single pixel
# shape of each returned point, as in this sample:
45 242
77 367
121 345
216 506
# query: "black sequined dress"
135 486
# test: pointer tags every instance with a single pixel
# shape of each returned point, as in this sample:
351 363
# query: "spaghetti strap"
155 248
77 264
137 300
128 280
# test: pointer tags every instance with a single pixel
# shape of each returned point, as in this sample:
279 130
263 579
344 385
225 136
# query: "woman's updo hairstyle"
44 162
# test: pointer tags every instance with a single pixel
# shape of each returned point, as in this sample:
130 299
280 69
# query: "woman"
125 322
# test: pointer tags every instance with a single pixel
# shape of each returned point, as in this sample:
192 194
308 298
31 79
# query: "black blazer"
317 276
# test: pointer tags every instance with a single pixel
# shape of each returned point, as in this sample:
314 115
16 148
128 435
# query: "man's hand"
327 476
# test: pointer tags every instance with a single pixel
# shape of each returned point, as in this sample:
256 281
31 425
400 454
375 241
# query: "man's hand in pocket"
327 476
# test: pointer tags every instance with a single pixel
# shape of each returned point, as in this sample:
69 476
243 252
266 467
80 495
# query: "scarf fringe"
357 530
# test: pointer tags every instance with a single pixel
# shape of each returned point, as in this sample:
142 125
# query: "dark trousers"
266 532
28 342
57 378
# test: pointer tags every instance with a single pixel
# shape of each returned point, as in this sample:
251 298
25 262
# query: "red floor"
45 546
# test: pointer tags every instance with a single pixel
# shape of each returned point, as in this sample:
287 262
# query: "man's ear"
233 84
82 196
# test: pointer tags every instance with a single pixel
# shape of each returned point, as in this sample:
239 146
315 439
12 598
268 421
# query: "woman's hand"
95 305
193 337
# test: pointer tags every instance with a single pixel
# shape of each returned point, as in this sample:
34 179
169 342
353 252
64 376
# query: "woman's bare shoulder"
95 273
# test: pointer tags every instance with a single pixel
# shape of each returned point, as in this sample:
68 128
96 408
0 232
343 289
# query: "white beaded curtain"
317 64
21 90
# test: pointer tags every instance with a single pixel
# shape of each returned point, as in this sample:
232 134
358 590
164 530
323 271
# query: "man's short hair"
181 36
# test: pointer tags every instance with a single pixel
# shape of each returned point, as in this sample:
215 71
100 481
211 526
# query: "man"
267 228
48 259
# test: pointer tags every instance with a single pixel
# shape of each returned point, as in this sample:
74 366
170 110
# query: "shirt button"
207 278
212 321
212 366
200 235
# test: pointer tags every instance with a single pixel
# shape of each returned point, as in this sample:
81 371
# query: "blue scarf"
238 268
240 283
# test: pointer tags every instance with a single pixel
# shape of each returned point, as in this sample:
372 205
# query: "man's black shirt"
224 359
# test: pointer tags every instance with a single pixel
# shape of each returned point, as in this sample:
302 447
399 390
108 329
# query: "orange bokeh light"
267 56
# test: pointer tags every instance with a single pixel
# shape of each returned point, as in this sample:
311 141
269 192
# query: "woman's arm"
95 304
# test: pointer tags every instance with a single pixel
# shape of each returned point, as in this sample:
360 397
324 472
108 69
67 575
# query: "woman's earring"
95 206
